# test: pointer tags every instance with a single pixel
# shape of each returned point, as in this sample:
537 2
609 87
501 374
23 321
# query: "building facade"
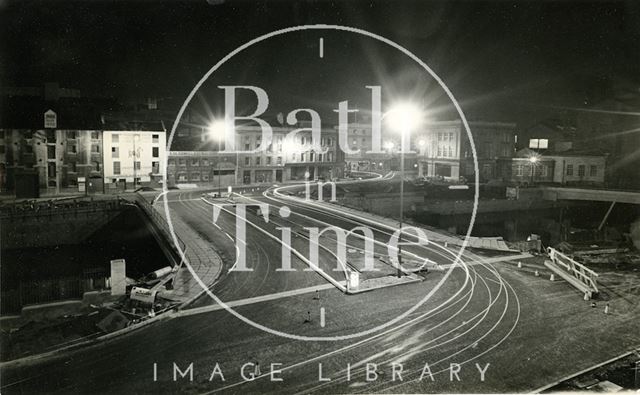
134 157
566 168
203 161
526 168
59 158
578 168
441 149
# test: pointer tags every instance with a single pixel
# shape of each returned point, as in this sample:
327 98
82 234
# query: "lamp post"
217 131
532 161
402 117
135 153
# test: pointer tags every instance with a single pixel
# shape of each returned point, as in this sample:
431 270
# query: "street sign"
50 120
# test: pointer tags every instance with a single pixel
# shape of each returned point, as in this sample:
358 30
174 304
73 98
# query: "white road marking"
257 299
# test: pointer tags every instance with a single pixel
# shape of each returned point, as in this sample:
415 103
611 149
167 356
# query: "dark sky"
502 60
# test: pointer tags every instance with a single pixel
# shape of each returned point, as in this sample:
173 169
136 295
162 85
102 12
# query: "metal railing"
30 209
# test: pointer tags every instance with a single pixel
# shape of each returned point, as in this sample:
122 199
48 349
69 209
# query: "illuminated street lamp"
217 130
403 118
532 160
389 145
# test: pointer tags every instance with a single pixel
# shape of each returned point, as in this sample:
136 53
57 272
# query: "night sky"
511 61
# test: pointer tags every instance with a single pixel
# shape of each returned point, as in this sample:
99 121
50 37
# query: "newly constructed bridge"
599 195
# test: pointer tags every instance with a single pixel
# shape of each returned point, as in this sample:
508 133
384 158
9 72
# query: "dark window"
569 170
156 152
593 171
581 170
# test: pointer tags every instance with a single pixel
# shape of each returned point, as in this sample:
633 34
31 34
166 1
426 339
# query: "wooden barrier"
574 272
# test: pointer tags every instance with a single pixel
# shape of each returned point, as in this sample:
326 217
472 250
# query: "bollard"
586 296
552 278
606 308
446 244
519 264
537 274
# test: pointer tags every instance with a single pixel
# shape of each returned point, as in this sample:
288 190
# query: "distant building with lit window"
568 167
197 158
441 149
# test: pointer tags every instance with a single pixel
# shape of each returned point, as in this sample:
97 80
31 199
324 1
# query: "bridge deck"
601 195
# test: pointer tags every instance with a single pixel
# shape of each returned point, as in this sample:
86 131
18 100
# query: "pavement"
203 263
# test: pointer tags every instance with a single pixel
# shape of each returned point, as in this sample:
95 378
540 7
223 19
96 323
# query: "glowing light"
217 129
290 146
404 117
421 143
389 145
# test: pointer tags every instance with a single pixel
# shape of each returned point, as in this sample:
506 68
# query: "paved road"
528 329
